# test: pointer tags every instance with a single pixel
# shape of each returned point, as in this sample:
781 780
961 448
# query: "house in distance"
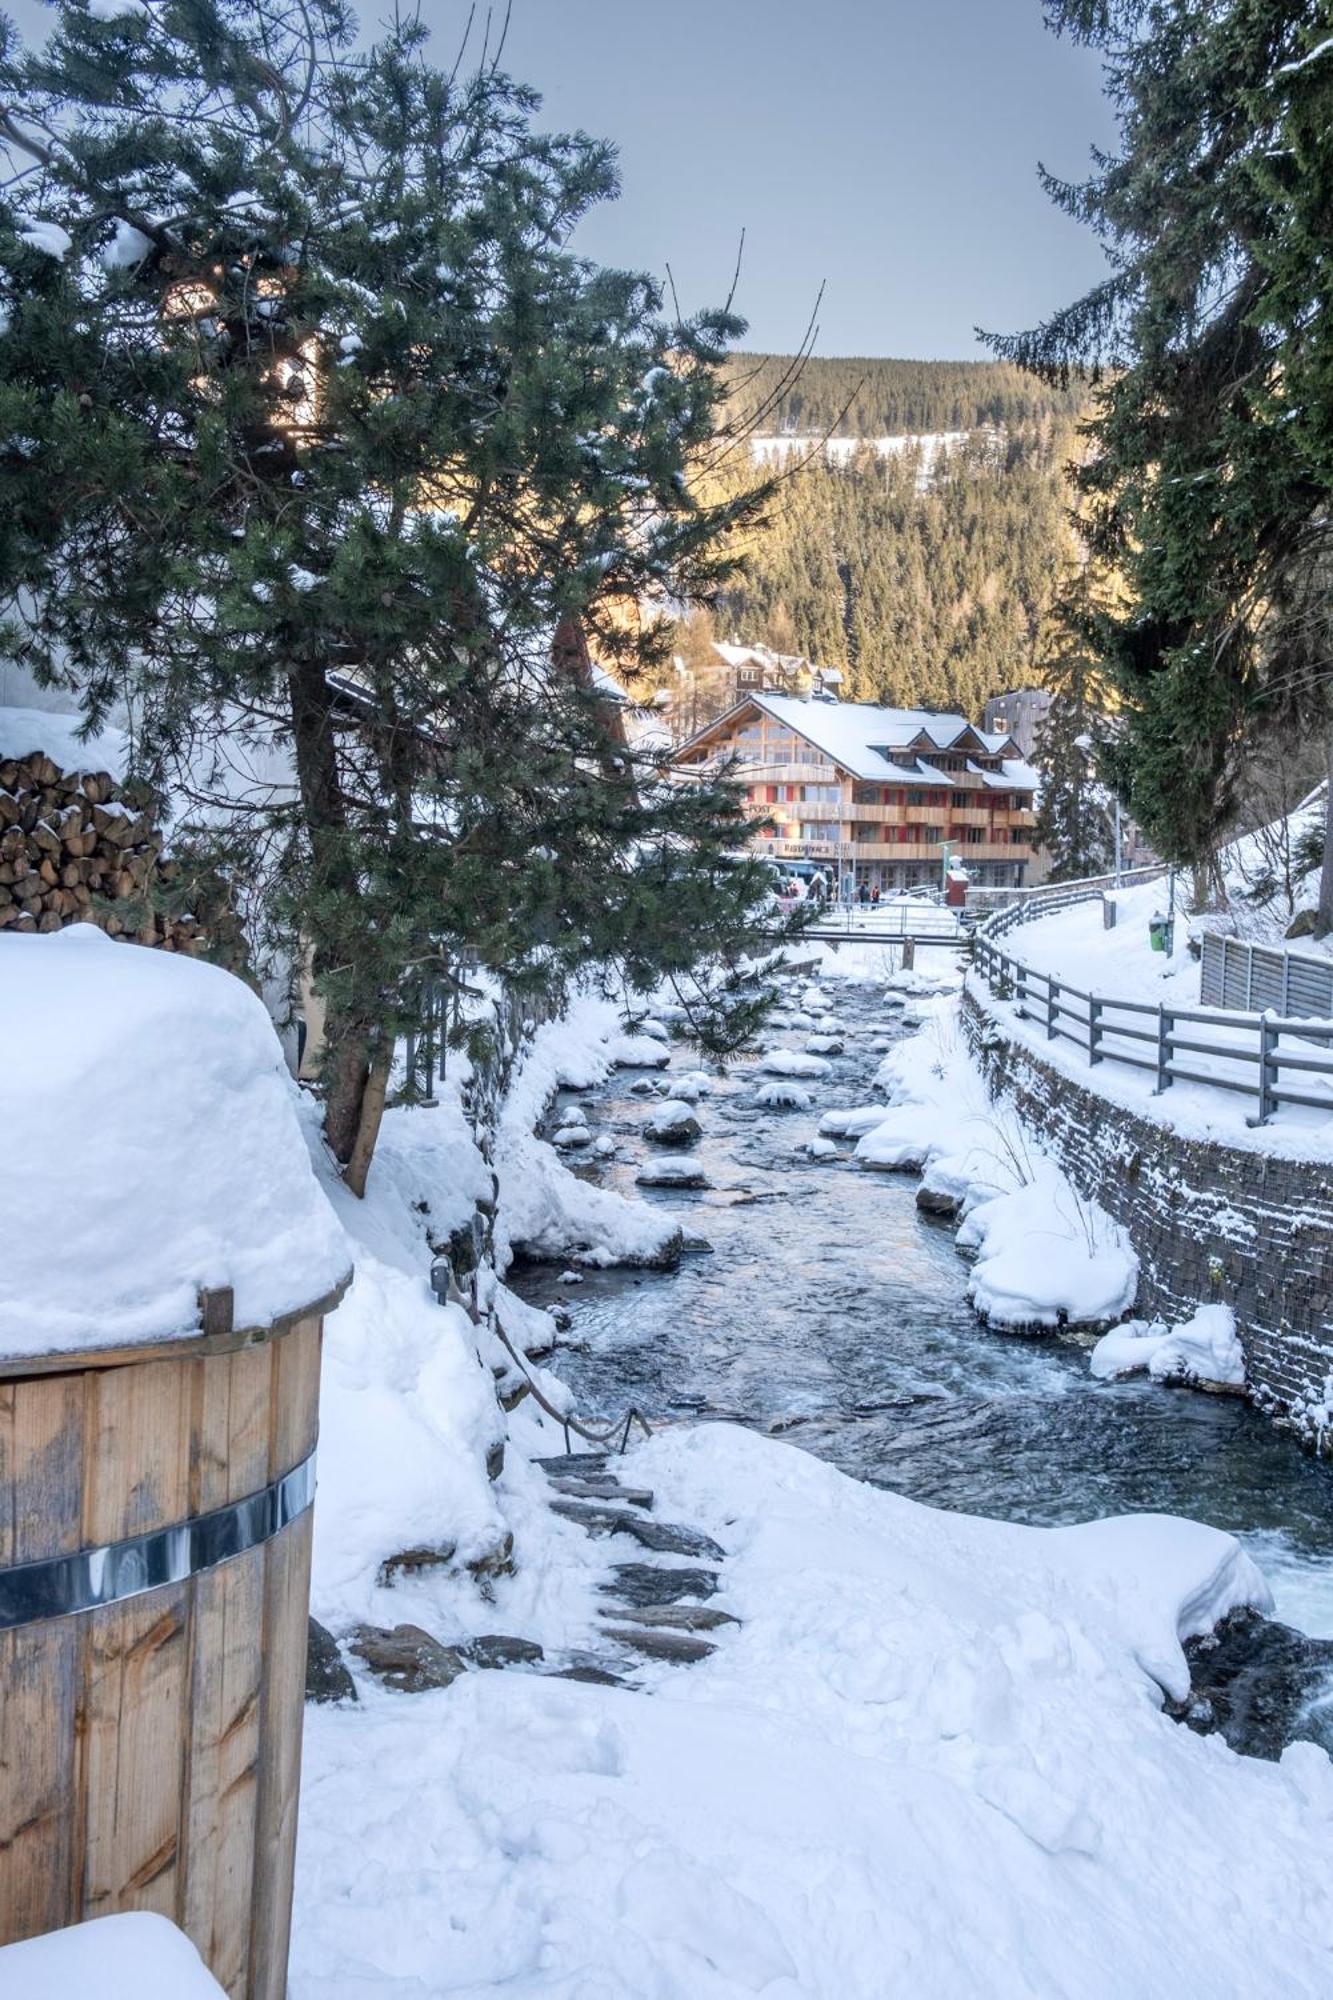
885 797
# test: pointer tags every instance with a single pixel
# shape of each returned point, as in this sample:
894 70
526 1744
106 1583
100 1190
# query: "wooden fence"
1251 1051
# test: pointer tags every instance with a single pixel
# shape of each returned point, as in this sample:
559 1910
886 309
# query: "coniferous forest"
925 576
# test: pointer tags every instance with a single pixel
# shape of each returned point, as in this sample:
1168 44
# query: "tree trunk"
347 1069
368 1127
347 1066
1323 922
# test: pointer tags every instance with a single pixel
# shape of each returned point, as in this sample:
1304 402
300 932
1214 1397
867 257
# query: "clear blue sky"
886 146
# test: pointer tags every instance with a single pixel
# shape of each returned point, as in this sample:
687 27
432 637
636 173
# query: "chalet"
887 796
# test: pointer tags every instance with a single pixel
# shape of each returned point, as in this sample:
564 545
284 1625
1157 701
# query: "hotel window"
916 798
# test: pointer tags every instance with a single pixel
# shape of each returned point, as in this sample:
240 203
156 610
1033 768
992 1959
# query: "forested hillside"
924 586
857 397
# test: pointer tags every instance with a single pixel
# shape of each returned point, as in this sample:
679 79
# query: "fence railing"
1236 974
1247 1051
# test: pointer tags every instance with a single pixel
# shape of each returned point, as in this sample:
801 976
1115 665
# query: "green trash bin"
1159 933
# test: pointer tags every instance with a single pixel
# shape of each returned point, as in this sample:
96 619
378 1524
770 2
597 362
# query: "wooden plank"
225 1704
40 1480
136 1667
136 1472
286 1598
136 1656
295 1397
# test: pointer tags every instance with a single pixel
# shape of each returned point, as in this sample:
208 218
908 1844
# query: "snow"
793 1062
782 1097
134 1956
25 731
670 1120
48 237
154 1084
1046 1256
1202 1351
545 1210
930 1760
129 246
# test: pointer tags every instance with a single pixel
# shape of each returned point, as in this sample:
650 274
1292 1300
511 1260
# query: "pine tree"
1208 475
321 440
1074 809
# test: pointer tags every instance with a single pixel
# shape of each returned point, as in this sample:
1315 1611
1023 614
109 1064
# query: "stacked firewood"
76 846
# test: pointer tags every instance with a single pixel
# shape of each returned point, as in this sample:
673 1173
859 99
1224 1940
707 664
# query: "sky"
886 149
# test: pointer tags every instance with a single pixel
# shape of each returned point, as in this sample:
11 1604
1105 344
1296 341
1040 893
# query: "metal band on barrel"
57 1586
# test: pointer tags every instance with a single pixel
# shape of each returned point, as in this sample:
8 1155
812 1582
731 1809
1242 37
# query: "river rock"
671 1174
410 1562
678 1649
824 1045
648 1583
938 1201
326 1675
672 1123
497 1649
1256 1681
407 1658
601 1486
682 1617
665 1537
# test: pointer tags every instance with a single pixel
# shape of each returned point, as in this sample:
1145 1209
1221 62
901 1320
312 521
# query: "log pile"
76 846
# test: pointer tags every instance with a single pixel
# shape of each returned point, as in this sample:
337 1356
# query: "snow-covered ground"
930 1760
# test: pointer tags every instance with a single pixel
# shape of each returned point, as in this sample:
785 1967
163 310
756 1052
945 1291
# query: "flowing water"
831 1312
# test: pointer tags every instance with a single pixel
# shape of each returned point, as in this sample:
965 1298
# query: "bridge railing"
1275 1059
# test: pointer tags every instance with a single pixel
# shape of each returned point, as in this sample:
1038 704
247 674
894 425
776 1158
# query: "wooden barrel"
155 1525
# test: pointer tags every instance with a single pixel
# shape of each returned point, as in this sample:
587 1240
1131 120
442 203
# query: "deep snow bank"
155 1149
545 1210
930 1761
1044 1254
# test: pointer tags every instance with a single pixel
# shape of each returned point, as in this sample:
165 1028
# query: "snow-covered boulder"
691 1085
146 1085
671 1174
572 1137
1202 1352
824 1045
782 1097
672 1123
793 1062
1045 1257
637 1052
852 1123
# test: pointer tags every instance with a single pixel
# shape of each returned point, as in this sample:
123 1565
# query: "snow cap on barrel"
152 1150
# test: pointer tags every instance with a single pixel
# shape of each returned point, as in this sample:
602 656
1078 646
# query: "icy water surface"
831 1312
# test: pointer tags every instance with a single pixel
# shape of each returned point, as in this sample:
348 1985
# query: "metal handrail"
1054 1004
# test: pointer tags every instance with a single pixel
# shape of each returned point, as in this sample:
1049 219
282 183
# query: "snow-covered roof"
161 1078
860 737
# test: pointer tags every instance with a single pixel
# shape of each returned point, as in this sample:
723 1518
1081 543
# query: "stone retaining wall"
1207 1221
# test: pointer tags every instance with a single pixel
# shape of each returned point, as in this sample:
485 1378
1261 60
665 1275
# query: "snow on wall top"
152 1148
54 732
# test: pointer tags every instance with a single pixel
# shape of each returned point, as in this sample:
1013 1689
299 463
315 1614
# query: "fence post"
1267 1072
1052 1008
1094 1029
1163 1051
1286 984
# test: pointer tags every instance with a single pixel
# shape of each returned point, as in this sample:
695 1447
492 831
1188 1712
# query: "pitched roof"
858 736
